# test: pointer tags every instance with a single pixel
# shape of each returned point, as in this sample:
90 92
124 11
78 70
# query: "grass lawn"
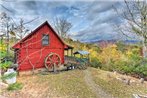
68 84
116 87
71 84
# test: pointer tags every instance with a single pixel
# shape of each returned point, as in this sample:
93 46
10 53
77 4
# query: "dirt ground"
100 93
70 84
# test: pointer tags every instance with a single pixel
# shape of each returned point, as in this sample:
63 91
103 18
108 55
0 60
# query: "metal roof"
81 52
66 47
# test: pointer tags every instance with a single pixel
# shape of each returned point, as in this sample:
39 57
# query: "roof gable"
33 32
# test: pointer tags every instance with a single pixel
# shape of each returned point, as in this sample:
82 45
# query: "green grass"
69 84
15 86
116 87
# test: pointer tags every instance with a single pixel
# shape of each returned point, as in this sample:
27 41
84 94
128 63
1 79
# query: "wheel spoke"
50 65
52 59
56 59
49 58
48 62
57 62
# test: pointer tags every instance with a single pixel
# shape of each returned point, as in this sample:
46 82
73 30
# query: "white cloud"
92 20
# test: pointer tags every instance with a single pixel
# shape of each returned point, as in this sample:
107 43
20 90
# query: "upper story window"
45 39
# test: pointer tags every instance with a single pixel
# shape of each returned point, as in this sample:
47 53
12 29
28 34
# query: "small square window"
45 39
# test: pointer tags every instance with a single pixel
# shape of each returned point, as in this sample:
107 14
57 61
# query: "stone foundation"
30 72
39 70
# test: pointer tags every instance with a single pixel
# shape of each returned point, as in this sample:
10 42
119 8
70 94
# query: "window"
45 39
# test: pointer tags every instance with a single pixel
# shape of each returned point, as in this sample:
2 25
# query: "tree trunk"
7 32
144 49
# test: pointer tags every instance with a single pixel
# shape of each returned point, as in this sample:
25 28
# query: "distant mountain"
131 41
105 43
99 41
114 41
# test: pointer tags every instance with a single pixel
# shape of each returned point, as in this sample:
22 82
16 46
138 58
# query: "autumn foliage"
125 59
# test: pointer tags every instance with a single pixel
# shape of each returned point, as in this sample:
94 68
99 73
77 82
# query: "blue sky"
92 20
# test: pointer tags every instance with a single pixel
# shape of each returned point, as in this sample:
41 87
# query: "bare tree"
20 31
5 29
135 13
62 26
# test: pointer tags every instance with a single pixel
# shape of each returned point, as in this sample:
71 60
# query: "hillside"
90 83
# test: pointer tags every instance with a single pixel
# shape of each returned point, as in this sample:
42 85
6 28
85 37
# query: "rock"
115 72
135 96
132 81
139 96
127 81
109 75
119 78
142 80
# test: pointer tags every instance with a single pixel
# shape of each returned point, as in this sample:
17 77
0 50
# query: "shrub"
3 54
95 63
109 54
141 70
5 65
127 69
15 86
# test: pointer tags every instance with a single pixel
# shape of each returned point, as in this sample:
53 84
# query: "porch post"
88 59
67 53
71 52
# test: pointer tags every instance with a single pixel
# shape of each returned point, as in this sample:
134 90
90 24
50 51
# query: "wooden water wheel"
52 61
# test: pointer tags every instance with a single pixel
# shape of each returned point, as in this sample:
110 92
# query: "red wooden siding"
33 52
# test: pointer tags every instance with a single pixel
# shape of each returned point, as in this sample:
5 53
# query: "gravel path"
100 93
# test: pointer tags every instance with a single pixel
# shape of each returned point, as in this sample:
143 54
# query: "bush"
138 67
3 54
127 69
130 63
15 86
141 70
5 65
95 63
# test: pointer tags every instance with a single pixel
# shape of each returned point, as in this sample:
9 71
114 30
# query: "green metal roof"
81 52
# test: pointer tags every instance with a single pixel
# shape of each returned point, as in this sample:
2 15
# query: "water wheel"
52 61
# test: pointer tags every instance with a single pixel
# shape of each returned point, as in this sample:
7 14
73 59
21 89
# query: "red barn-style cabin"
41 48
